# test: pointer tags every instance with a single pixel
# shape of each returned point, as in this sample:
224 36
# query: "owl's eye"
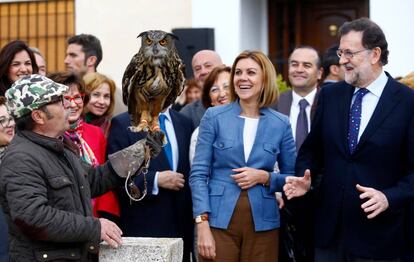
163 42
148 41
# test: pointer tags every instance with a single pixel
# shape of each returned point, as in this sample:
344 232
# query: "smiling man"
360 153
298 103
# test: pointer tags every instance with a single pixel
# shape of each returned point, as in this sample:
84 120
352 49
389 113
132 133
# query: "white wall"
254 25
396 18
238 25
118 23
224 17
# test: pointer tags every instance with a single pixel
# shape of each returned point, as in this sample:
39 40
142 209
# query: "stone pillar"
143 249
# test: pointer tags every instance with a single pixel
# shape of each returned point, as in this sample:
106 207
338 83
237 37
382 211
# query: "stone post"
143 249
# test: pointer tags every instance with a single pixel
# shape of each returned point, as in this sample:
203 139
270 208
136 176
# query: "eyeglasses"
5 122
348 54
78 99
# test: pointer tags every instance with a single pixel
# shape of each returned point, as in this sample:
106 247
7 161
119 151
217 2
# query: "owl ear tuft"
173 36
143 34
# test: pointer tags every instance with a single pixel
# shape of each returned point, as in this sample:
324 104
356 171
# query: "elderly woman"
232 179
16 60
216 92
6 134
90 140
99 100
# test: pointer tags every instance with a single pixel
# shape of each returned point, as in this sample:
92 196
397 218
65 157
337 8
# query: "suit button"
44 256
91 247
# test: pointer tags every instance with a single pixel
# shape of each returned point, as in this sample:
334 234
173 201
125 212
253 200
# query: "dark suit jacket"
194 111
169 213
285 102
383 159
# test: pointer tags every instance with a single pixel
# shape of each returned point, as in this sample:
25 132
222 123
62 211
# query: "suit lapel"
285 102
345 98
179 136
314 105
388 100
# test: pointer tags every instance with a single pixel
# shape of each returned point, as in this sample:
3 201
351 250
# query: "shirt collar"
377 86
309 97
167 114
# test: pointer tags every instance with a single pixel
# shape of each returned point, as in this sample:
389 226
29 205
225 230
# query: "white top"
249 135
193 143
370 100
295 109
174 147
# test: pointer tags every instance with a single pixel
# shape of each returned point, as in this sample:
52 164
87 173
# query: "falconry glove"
129 160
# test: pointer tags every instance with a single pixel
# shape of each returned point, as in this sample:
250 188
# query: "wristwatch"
200 218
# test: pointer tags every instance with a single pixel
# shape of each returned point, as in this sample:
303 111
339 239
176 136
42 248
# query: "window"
42 24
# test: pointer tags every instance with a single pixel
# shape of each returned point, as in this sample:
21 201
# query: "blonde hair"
408 80
270 92
94 81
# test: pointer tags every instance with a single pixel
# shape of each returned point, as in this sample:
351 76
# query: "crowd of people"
322 172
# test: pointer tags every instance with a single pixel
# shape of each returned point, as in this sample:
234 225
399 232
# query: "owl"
152 80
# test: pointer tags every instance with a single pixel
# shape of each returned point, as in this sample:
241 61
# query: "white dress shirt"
295 109
370 100
174 148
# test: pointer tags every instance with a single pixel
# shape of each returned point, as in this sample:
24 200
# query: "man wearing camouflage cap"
45 190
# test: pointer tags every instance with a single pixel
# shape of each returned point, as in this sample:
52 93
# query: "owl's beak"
155 50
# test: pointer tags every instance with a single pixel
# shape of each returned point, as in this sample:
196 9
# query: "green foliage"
281 84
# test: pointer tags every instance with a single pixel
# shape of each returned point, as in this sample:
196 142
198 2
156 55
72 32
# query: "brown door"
307 22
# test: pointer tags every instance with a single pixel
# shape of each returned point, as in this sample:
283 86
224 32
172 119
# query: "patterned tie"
355 119
301 124
167 147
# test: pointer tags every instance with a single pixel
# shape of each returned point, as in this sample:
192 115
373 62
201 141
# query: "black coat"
167 214
45 192
383 160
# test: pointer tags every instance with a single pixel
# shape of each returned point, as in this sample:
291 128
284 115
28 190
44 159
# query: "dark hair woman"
16 61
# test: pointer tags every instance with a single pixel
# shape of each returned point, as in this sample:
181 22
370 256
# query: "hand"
110 233
205 241
297 186
171 180
248 177
279 199
377 202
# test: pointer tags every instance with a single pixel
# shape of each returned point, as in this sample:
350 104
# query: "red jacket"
96 140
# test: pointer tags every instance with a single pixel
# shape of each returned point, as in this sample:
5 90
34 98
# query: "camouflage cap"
32 92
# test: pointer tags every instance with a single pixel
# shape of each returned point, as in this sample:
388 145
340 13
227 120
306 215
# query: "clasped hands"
376 202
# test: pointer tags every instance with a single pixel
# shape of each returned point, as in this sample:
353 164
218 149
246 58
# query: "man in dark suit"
304 72
166 210
362 147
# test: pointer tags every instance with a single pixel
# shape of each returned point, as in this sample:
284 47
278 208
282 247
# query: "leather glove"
129 159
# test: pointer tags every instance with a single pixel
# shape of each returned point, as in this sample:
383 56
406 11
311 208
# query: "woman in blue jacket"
232 178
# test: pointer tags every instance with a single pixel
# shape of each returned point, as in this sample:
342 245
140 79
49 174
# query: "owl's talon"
156 128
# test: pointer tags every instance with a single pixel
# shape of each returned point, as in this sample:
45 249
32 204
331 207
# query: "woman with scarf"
89 139
99 100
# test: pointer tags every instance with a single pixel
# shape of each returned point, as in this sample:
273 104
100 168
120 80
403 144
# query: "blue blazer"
383 159
220 149
167 214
